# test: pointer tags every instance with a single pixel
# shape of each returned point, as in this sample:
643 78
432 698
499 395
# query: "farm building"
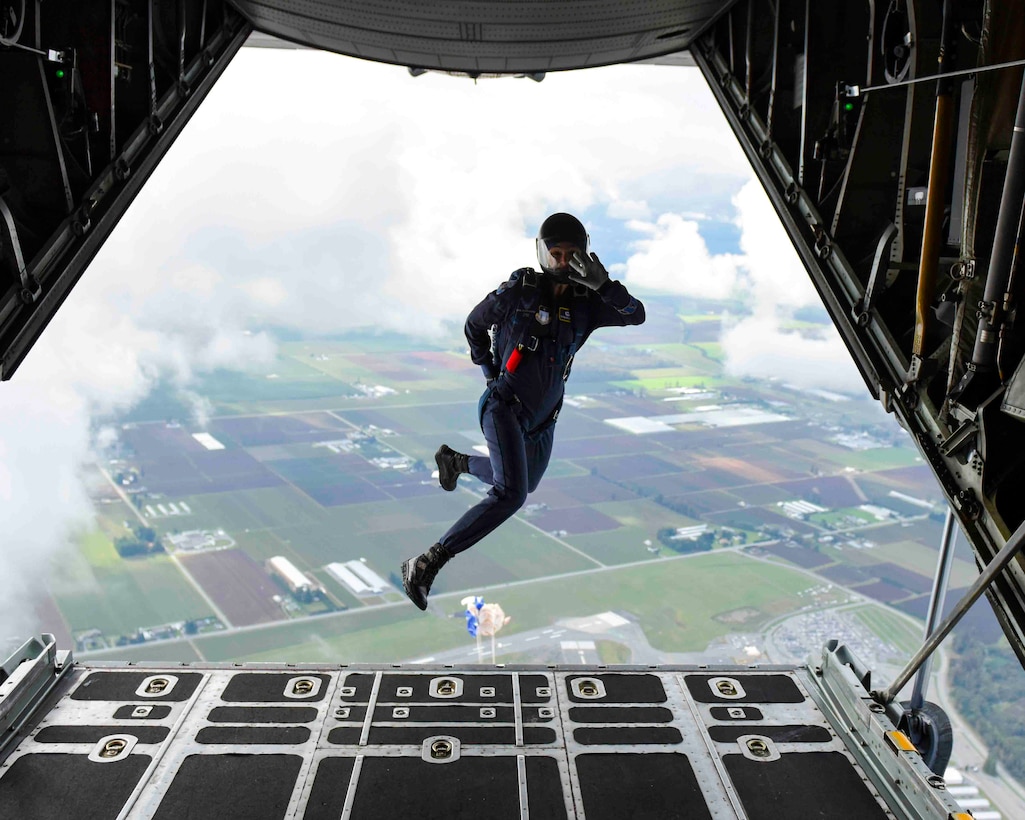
358 577
289 573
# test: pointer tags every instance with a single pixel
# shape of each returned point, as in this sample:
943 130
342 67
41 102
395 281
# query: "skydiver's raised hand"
589 272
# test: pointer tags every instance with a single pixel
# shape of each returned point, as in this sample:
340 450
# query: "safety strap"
579 321
540 325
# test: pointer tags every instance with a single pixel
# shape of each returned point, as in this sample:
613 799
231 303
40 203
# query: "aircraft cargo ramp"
120 740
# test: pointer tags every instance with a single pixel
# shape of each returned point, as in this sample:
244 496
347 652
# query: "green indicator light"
848 106
60 73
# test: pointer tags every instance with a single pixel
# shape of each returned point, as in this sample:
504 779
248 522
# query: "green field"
837 519
922 559
892 628
95 588
676 602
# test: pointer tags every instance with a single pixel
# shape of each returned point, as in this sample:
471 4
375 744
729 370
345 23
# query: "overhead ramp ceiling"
513 37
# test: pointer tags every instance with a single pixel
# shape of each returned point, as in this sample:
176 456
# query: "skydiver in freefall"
524 336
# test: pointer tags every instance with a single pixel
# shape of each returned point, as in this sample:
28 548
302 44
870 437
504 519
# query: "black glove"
590 273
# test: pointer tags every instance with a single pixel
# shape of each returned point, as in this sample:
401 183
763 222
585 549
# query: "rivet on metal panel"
141 711
487 691
156 686
347 691
726 687
487 711
758 747
446 687
303 686
113 747
737 712
404 691
588 688
342 712
937 782
544 692
400 712
441 749
545 712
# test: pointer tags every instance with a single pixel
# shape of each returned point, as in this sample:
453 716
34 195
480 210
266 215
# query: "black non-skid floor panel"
244 735
620 714
622 688
626 735
545 798
779 734
122 686
446 713
45 786
330 785
735 713
262 714
406 787
823 785
213 787
361 684
345 735
538 735
350 714
421 688
535 689
153 712
497 735
625 749
659 786
263 687
91 734
757 689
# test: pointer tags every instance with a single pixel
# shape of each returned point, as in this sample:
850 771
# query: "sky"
321 193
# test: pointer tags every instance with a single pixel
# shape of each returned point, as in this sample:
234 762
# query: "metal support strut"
936 601
1000 560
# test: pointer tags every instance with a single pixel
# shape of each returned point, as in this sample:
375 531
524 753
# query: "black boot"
450 466
418 573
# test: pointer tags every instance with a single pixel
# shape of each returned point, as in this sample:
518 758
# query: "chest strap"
541 323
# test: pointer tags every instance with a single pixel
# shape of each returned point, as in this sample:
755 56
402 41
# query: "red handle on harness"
514 361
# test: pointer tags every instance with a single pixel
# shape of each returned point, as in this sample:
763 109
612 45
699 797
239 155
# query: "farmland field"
237 584
326 456
97 589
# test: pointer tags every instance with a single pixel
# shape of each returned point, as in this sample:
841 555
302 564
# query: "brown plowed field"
751 473
237 584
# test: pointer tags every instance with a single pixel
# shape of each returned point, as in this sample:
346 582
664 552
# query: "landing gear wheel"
929 729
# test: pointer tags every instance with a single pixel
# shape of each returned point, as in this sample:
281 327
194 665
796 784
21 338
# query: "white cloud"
398 184
759 347
777 275
44 440
673 257
628 209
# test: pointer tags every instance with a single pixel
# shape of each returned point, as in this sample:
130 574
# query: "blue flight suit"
518 409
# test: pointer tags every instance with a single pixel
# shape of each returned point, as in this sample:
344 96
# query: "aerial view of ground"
693 504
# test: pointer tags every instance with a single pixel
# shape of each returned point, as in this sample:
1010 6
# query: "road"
174 558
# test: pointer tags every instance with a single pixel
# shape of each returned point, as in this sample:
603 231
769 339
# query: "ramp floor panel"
217 741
